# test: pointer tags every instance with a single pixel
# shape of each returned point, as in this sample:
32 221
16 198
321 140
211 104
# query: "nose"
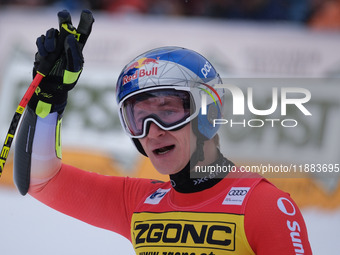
155 131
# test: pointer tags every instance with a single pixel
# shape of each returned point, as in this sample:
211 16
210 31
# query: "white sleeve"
44 161
36 157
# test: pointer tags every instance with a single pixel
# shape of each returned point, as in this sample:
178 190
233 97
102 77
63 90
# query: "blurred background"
243 39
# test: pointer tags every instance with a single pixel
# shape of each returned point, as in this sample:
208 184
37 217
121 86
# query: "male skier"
159 95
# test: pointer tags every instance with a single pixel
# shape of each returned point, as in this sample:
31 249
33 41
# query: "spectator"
326 15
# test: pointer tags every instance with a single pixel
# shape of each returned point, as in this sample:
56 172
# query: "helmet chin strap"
180 179
198 155
183 182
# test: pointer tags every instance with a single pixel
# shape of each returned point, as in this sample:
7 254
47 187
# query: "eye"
139 118
168 112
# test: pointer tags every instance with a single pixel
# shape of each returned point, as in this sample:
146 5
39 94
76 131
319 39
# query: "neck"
189 181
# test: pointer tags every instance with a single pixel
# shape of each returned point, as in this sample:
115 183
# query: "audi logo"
240 192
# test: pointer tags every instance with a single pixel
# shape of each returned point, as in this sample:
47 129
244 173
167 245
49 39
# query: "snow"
29 227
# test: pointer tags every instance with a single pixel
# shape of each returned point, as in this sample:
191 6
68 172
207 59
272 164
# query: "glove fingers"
64 17
47 44
65 25
54 43
41 47
85 26
74 57
50 40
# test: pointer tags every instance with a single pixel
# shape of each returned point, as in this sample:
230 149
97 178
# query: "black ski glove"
60 60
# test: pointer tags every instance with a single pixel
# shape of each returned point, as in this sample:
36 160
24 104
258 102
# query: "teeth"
164 150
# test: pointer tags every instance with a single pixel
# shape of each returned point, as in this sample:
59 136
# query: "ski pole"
66 28
15 121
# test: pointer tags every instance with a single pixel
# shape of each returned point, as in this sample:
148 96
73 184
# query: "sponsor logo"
288 208
165 232
295 230
141 62
206 69
235 196
241 192
5 151
141 72
156 197
188 233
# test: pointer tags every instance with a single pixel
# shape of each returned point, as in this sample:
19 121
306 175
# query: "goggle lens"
168 108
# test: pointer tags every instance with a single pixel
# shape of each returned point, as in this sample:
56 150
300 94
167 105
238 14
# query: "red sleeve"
274 223
103 201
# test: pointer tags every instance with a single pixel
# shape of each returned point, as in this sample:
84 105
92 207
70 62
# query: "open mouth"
163 150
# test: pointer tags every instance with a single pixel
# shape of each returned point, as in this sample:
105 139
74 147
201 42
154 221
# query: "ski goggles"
168 107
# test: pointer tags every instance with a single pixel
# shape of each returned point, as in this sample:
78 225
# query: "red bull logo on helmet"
142 72
139 74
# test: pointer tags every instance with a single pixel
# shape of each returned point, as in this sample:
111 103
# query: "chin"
167 171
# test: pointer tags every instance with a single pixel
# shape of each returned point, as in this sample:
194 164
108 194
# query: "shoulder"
266 193
271 219
267 201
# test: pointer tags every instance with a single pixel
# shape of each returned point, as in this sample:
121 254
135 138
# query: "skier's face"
169 151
